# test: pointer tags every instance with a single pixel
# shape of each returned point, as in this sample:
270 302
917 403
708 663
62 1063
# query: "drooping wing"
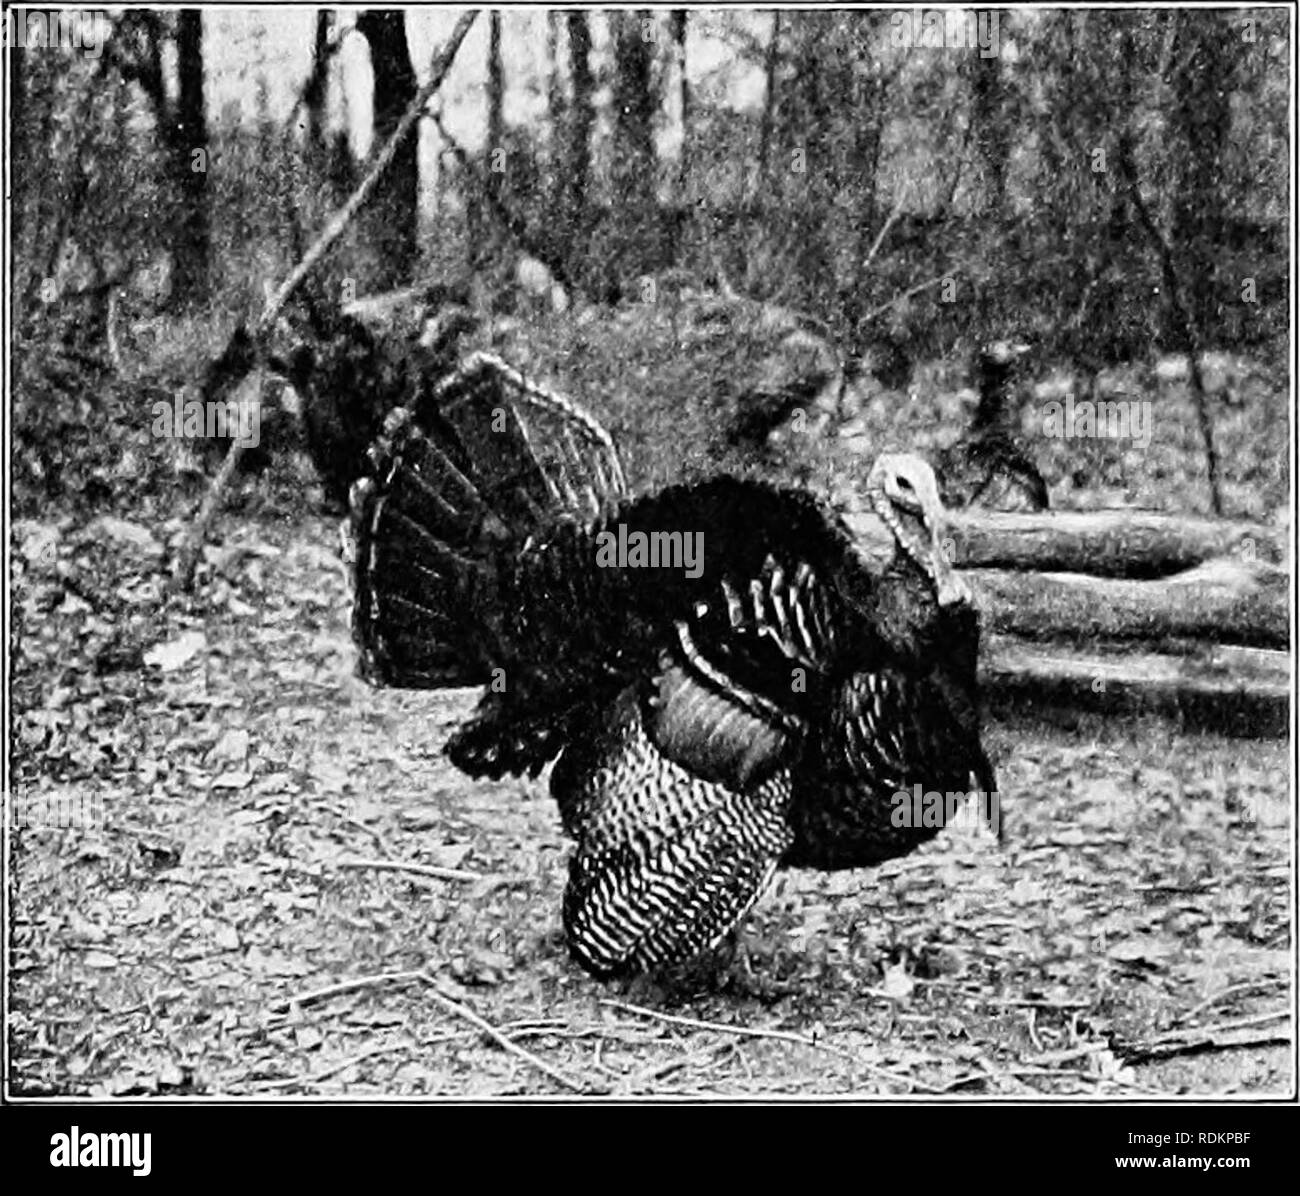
897 730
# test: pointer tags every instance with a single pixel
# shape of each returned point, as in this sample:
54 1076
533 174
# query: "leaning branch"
188 552
343 217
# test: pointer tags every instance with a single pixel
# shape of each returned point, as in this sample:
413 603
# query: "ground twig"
415 869
347 986
332 1070
1233 990
778 1035
502 1040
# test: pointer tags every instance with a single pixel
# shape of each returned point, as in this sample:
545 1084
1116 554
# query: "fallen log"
1132 544
1224 690
1227 601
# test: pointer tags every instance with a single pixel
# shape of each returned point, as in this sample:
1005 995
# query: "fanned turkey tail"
455 487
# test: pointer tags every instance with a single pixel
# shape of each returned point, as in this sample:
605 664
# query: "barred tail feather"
420 537
455 488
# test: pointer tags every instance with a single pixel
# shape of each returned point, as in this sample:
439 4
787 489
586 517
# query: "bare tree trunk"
988 123
495 157
495 84
313 96
390 226
554 88
677 26
1200 118
582 117
188 137
633 171
556 111
770 60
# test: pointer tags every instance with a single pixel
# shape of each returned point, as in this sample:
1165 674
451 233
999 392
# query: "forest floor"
246 914
278 886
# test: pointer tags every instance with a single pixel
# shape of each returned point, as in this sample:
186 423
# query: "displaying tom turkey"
988 465
727 682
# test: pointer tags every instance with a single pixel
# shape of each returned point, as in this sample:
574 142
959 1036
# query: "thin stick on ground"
347 986
1233 990
692 1023
187 554
502 1040
1199 1045
1242 1023
431 870
325 1073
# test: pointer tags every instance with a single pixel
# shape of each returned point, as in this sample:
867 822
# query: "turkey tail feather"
455 486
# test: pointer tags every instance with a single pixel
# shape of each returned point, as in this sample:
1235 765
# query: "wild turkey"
715 717
352 365
987 464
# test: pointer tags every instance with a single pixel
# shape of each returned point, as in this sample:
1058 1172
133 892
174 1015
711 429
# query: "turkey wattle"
729 683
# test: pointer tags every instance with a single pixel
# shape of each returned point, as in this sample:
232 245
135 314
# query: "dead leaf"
233 780
39 543
177 652
126 532
232 746
898 984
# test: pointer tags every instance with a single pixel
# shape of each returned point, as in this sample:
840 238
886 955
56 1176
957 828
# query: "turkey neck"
991 412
